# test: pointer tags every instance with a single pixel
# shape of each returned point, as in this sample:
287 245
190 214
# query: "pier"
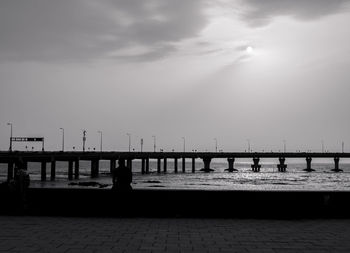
73 159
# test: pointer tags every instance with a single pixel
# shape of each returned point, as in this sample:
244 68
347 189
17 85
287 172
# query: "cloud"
147 54
76 30
84 30
259 13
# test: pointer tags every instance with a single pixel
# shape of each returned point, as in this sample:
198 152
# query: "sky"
203 71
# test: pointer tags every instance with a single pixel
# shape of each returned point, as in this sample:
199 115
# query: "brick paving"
65 234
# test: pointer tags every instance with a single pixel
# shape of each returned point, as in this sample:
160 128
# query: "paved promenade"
61 234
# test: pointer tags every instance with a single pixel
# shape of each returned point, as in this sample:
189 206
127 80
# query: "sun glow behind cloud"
249 50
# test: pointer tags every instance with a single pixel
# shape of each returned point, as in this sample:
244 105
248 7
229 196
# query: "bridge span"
73 158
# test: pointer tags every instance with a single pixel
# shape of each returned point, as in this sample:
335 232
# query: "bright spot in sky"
249 50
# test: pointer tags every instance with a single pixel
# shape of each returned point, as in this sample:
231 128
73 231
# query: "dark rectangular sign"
27 139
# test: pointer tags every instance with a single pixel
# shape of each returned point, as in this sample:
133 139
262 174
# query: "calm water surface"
268 179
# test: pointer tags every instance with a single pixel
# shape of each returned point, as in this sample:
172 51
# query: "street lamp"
141 144
100 132
154 143
342 147
284 146
10 124
322 142
61 128
84 139
216 145
248 140
129 141
184 139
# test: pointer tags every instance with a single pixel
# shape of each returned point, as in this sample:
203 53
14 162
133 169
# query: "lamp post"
216 145
184 144
100 132
61 128
322 142
342 147
248 141
154 143
141 144
284 146
84 139
10 124
129 141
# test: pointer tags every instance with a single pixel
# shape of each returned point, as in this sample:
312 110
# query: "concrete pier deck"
67 234
73 159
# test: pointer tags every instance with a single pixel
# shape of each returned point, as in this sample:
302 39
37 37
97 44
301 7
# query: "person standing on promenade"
122 177
21 183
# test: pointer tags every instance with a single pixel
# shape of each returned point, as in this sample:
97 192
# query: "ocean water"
295 179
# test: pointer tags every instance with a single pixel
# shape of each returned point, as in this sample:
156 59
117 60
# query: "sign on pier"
28 139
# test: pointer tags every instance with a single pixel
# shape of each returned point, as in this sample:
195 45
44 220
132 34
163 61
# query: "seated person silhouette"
122 177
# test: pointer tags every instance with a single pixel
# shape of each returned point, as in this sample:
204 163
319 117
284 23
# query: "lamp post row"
154 141
61 128
10 124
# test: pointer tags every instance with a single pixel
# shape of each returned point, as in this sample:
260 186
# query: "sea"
268 179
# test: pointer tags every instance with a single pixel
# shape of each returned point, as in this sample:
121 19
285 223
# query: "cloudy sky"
233 70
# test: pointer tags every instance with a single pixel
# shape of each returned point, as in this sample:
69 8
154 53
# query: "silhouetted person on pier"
21 183
122 177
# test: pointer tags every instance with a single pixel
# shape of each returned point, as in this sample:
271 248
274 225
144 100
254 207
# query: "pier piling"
158 165
193 165
206 161
256 166
165 165
308 165
129 164
230 165
43 171
53 169
143 166
94 168
70 170
76 169
175 165
282 166
183 165
147 165
336 165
